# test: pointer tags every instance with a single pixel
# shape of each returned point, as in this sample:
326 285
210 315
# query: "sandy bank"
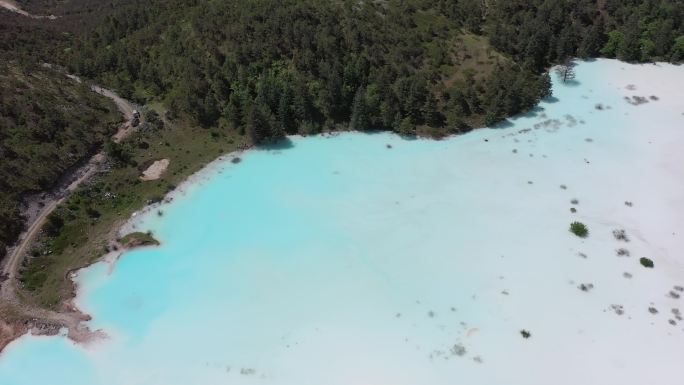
155 170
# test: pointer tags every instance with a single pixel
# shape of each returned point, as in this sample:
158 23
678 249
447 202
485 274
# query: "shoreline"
37 321
49 323
71 318
42 322
75 316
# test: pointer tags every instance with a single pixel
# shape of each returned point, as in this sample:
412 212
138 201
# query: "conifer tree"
359 116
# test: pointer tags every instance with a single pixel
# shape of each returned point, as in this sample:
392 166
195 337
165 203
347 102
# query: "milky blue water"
373 259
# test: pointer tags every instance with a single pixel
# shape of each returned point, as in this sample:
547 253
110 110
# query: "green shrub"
579 229
119 154
92 213
54 224
138 239
646 262
153 119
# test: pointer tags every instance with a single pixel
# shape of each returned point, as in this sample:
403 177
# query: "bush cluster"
579 229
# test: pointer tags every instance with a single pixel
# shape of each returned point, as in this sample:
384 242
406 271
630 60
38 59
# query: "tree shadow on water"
532 113
282 144
506 123
571 83
407 137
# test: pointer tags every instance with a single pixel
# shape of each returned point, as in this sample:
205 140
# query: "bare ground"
155 170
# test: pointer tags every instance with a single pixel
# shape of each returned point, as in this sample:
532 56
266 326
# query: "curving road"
13 260
124 106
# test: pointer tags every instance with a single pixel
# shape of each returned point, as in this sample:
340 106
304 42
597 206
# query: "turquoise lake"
374 259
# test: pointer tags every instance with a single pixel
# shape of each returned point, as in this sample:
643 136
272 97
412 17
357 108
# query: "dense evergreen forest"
264 68
537 33
306 66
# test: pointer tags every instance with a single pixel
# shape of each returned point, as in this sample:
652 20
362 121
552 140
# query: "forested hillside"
307 66
538 32
263 68
48 123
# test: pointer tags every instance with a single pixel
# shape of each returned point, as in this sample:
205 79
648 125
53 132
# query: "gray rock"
586 287
618 309
458 350
620 235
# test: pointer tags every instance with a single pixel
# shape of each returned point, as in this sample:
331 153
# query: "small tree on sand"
579 229
566 71
646 262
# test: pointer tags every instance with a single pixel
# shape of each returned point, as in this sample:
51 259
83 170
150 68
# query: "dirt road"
17 318
14 258
16 255
14 7
124 106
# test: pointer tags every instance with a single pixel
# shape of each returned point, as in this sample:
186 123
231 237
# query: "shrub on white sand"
646 262
579 229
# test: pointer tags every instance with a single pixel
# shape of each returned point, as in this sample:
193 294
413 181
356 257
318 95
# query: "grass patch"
579 229
138 239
